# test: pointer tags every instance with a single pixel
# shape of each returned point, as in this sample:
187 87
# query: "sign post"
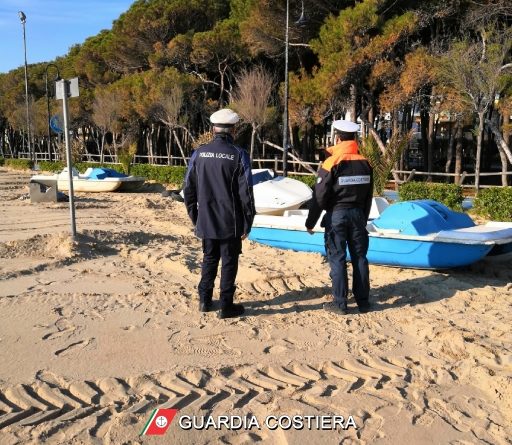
64 90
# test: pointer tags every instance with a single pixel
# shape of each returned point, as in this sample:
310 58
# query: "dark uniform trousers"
213 251
347 227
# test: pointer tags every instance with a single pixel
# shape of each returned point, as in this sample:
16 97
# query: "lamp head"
303 21
22 16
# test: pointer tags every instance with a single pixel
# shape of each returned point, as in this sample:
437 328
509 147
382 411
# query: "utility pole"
65 89
23 19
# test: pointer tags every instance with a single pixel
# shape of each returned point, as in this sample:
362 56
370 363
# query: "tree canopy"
377 60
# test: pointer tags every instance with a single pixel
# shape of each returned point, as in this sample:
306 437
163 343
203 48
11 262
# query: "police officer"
344 188
220 202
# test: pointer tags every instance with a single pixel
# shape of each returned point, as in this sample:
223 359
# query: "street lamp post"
48 106
301 22
23 19
286 88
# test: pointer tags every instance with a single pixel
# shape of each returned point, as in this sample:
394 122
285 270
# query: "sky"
52 27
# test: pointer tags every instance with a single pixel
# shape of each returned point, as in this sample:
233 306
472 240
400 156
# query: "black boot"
206 306
233 310
335 308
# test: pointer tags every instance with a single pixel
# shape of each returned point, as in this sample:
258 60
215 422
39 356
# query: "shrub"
82 166
448 194
2 161
494 203
19 164
55 166
383 164
309 180
126 155
77 149
174 175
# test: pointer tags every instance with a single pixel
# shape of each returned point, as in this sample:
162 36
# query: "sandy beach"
95 334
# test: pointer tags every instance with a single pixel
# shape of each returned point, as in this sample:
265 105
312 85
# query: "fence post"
462 177
411 175
276 160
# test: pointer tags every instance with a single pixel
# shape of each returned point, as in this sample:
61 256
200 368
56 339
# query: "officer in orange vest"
344 189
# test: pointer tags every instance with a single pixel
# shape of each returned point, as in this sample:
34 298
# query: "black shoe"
365 309
234 310
335 308
205 306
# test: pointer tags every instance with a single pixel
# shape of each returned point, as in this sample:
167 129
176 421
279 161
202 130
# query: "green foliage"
495 203
219 46
2 161
240 9
57 166
47 166
382 164
349 52
309 180
19 164
174 175
448 194
82 166
125 157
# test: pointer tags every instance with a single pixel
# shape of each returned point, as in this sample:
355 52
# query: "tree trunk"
430 141
506 138
500 140
102 148
222 72
479 138
458 150
424 138
394 133
2 139
84 144
451 145
371 119
504 166
305 143
151 146
253 137
168 145
149 143
180 147
353 103
114 144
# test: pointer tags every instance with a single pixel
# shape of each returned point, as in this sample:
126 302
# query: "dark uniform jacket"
218 190
345 180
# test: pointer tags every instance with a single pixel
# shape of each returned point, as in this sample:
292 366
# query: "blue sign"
56 124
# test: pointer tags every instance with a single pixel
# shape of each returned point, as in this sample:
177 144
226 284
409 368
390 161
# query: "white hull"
275 196
90 185
294 219
276 211
80 183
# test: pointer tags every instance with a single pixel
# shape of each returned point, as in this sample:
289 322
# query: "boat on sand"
273 195
421 234
93 180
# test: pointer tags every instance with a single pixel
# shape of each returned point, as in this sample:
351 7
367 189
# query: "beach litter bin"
40 192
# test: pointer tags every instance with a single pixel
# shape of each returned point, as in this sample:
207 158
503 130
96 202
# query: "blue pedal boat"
421 234
128 183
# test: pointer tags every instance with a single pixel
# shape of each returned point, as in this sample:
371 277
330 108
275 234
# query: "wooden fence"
295 165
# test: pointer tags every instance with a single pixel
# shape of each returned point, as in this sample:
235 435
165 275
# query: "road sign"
56 124
65 89
70 86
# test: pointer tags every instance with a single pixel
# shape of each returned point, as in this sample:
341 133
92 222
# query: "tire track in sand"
52 405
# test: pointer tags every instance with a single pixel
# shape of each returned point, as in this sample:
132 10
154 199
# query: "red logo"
158 422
